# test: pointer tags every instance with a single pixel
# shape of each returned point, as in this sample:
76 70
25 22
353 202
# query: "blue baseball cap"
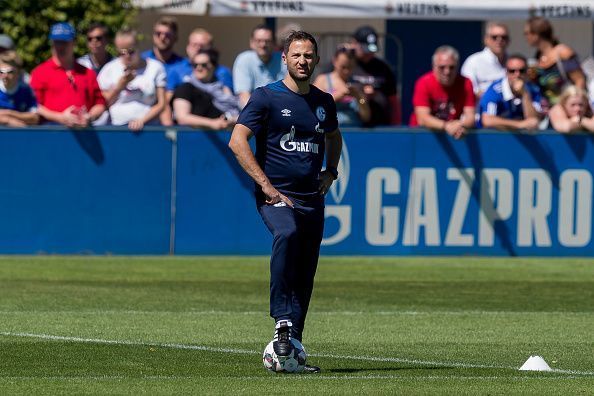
62 31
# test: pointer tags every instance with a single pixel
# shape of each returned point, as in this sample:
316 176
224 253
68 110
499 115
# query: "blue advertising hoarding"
490 193
82 192
400 192
408 193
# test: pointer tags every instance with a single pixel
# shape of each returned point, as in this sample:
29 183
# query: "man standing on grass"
295 124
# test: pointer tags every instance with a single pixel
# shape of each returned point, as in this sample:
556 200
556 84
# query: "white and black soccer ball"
294 363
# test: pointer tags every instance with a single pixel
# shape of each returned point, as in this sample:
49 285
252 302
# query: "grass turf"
197 325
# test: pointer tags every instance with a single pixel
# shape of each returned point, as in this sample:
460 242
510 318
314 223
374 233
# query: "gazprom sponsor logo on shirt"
288 143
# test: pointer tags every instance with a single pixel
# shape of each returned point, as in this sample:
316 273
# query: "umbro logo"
286 112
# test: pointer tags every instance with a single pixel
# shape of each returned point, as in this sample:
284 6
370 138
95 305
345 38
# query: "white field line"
320 313
251 352
290 377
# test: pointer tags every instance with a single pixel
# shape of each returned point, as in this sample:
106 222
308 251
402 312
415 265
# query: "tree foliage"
28 22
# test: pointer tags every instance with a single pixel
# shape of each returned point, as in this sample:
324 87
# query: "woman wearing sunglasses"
134 88
18 106
203 101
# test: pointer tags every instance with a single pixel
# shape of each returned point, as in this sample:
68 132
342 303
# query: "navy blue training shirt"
290 135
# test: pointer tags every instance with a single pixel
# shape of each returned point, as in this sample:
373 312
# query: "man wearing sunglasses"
67 92
443 100
511 103
134 88
258 66
97 40
18 106
198 40
164 39
488 65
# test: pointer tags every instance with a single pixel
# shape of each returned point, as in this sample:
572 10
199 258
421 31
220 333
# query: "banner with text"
493 193
399 192
409 192
397 9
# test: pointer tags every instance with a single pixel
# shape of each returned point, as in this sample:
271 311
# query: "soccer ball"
294 363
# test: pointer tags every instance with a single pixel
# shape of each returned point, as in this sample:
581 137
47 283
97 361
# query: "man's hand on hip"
273 196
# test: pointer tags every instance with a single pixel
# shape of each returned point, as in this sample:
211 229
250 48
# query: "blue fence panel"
84 192
216 212
400 192
371 162
491 193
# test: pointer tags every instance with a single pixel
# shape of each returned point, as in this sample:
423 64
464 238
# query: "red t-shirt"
56 89
446 103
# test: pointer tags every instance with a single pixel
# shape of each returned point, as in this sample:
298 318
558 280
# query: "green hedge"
28 22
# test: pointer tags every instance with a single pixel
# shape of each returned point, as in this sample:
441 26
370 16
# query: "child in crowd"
572 112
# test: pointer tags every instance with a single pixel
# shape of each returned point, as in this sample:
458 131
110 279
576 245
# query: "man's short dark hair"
97 25
517 56
299 36
262 27
213 55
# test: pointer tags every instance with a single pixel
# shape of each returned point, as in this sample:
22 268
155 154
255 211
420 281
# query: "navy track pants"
297 233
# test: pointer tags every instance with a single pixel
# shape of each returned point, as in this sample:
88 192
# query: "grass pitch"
198 325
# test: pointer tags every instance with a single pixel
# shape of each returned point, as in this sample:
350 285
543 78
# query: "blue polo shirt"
290 134
249 72
170 65
499 100
21 98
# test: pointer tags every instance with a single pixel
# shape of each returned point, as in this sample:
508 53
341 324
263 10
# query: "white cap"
6 42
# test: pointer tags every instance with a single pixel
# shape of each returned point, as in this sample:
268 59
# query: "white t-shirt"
482 68
139 95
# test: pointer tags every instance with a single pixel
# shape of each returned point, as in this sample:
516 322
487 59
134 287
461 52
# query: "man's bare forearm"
243 152
333 148
28 117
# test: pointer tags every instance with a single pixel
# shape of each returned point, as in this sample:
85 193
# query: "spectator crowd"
490 89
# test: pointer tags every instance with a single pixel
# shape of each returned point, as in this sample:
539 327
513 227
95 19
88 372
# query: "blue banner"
399 192
84 192
216 212
488 194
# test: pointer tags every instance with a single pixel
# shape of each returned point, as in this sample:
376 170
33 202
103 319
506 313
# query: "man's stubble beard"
296 77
